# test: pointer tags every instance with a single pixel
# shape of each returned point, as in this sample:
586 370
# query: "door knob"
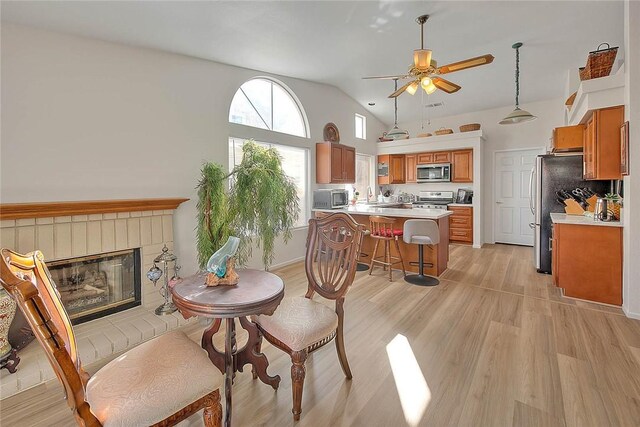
499 203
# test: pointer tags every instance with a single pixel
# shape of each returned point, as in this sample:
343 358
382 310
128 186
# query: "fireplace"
97 285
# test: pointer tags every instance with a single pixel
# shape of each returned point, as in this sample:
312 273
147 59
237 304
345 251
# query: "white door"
512 214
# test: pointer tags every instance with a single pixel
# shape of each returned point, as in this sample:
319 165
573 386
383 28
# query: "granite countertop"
389 211
560 218
461 205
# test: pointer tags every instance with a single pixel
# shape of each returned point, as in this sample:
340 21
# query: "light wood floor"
495 342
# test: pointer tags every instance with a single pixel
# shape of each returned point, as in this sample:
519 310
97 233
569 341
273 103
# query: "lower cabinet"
461 224
587 262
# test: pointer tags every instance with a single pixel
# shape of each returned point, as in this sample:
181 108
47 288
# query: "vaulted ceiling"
339 42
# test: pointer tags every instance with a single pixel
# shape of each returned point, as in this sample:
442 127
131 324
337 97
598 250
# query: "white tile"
168 212
6 223
144 327
94 237
87 351
28 375
157 213
95 217
43 221
159 327
108 236
8 384
167 228
123 215
110 215
8 238
26 239
147 213
133 232
62 219
25 221
136 214
102 344
133 334
44 241
118 339
79 218
170 321
121 234
79 238
62 239
156 229
145 231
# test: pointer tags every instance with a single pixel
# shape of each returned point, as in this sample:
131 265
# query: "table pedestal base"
233 360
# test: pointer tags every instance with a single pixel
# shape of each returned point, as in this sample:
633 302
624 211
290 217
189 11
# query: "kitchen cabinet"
568 138
461 224
394 165
435 157
587 261
410 161
335 163
424 158
462 166
602 144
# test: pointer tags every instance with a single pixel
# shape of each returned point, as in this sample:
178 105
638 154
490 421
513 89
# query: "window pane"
242 112
286 114
259 93
361 127
294 164
365 178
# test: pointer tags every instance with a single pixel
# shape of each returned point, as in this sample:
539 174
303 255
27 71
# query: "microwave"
328 198
440 172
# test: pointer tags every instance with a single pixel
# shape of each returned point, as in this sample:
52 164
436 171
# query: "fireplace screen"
98 285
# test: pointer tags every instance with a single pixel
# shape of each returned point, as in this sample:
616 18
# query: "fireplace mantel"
86 207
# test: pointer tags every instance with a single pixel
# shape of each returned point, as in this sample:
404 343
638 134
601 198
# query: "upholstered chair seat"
152 381
299 322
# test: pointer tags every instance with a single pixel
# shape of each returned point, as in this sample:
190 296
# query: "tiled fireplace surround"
62 237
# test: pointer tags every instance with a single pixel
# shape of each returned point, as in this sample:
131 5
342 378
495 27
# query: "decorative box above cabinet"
335 163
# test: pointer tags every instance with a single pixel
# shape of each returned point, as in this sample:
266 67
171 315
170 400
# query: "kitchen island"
435 257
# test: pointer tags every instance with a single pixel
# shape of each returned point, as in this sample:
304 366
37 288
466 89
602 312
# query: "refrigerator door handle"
531 178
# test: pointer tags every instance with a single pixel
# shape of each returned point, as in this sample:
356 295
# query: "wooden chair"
300 325
382 229
159 383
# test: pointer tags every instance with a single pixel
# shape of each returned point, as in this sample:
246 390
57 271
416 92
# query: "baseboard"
630 314
286 263
477 246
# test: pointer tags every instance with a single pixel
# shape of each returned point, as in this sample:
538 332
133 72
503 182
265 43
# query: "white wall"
84 119
534 134
631 272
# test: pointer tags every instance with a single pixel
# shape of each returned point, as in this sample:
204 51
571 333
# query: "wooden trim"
51 209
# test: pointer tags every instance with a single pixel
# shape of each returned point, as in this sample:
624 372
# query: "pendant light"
517 115
395 132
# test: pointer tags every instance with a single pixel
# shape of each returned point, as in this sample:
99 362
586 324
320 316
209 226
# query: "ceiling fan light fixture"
430 88
412 88
517 115
425 82
422 58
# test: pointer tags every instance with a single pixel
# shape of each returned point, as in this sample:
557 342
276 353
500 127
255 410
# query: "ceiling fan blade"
400 76
400 90
445 85
467 63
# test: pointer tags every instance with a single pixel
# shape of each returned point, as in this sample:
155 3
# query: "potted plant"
256 202
614 203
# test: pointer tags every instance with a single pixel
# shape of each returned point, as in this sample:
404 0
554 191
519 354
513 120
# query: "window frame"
288 91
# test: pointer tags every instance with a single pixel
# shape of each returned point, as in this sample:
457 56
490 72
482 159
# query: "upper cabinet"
391 169
602 144
462 166
435 157
335 163
410 173
568 138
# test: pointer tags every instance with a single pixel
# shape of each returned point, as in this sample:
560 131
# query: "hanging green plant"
261 203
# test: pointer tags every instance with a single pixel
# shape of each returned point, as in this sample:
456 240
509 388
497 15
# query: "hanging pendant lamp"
395 132
517 115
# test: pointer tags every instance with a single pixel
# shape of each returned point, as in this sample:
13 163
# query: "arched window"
267 104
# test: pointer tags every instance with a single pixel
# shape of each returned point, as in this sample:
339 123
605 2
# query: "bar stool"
382 229
421 232
361 265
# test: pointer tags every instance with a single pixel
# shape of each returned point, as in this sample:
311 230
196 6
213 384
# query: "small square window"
361 127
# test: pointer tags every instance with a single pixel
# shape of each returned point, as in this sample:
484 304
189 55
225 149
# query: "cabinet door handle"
550 244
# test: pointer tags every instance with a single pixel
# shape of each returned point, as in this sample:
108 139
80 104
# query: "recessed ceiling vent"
435 104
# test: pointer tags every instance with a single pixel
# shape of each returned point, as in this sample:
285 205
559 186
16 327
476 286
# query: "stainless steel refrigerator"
554 172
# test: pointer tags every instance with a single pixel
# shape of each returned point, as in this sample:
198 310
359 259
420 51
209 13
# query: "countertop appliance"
433 200
440 172
465 196
553 173
328 198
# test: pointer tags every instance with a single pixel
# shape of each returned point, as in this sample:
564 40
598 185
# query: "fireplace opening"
98 285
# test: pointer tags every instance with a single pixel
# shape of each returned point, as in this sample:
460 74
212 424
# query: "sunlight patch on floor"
412 387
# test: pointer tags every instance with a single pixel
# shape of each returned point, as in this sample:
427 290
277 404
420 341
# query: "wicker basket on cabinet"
470 127
444 131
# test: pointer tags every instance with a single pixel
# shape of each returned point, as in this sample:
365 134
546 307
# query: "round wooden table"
258 292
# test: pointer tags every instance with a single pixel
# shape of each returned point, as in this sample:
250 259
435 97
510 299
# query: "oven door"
434 173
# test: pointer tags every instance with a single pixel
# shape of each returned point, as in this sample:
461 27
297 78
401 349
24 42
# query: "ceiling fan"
426 73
